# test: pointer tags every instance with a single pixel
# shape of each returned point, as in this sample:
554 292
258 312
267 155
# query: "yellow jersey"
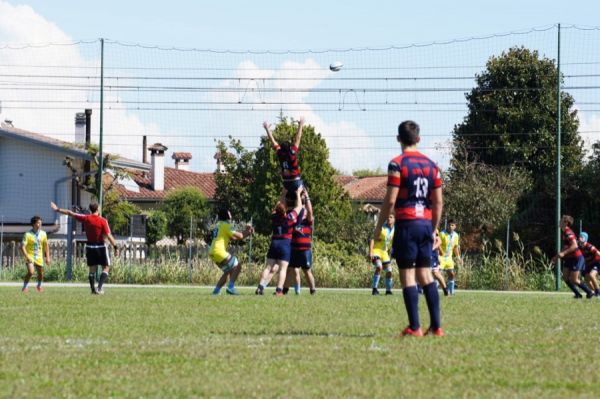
221 236
381 246
449 243
34 243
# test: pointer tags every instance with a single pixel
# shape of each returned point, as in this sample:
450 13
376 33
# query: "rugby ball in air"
335 66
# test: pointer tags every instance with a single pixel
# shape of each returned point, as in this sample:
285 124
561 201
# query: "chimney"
144 149
157 154
182 160
80 128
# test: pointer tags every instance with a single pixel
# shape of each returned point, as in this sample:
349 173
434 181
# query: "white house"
34 171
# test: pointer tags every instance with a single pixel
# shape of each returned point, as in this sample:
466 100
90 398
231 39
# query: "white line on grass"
204 287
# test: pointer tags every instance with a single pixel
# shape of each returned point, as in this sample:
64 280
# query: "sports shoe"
25 290
438 332
389 293
285 290
100 291
231 291
445 291
94 292
39 289
578 296
375 291
313 292
278 293
410 332
590 295
259 291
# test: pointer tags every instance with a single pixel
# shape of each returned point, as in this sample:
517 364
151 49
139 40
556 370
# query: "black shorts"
97 255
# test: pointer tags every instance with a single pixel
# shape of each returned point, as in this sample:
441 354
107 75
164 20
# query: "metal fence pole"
1 244
69 261
190 249
507 260
558 166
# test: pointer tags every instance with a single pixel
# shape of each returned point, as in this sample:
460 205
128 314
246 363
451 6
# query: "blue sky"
360 135
308 24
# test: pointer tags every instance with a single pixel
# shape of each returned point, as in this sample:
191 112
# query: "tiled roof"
174 179
368 189
182 155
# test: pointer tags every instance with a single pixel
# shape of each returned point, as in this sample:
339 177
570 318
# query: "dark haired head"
223 214
451 221
408 133
290 199
285 146
35 219
280 209
93 207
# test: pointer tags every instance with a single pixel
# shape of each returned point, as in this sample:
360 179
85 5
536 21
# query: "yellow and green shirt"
382 245
221 236
34 243
449 243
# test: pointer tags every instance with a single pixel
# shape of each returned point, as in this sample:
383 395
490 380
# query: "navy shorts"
575 264
435 261
592 266
292 185
280 249
301 259
413 243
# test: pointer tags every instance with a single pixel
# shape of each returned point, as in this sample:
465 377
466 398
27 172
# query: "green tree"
119 212
369 172
181 206
234 180
512 117
483 197
331 203
156 227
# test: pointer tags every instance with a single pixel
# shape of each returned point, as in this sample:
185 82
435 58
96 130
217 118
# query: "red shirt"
302 236
416 176
590 253
567 238
288 162
283 226
95 226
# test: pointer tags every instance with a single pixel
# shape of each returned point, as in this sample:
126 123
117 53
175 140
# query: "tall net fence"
187 99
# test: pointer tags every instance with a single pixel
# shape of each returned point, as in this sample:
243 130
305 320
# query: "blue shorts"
293 185
575 264
413 242
301 259
592 266
280 249
435 261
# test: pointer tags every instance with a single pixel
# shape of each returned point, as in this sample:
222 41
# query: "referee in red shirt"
96 230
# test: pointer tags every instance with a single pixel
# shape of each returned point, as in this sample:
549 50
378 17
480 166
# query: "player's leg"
103 278
40 277
451 276
387 267
575 279
425 279
566 274
311 280
220 283
283 266
405 246
377 266
92 278
440 279
297 281
593 280
30 269
289 281
234 271
267 275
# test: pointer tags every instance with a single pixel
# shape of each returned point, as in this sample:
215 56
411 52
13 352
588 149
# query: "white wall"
28 174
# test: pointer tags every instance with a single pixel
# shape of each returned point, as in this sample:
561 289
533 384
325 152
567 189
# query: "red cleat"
407 332
39 289
279 293
438 332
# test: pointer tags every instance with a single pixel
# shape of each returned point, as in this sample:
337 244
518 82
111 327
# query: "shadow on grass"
300 333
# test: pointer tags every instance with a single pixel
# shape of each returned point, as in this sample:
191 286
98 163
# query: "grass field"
183 342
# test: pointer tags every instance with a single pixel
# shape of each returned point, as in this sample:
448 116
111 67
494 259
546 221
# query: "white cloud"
589 129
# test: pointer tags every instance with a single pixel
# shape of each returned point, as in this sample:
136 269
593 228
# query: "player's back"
416 176
220 240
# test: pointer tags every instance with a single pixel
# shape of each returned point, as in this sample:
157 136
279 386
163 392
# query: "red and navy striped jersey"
590 253
288 160
416 176
283 226
302 236
567 238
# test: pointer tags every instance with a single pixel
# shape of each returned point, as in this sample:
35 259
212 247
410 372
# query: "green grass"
159 342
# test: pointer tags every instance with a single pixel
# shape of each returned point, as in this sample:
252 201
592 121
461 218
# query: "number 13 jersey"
416 176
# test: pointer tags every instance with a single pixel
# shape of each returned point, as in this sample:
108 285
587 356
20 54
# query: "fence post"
558 165
69 271
1 244
507 259
190 249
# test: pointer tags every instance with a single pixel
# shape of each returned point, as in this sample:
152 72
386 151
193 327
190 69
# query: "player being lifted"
573 261
287 155
414 191
592 262
228 263
35 249
379 255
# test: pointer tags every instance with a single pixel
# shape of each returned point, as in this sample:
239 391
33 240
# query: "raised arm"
67 212
240 235
299 132
308 205
270 134
298 204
